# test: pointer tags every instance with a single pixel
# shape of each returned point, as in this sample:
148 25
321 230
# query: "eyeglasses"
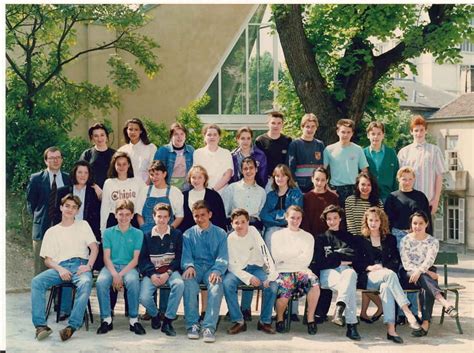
54 158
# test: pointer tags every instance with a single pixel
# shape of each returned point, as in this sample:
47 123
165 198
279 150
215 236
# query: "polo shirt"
345 162
122 245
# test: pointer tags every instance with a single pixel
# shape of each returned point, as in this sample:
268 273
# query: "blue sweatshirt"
205 249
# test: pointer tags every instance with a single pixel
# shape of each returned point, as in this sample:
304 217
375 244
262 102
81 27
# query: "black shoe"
64 317
395 339
247 313
156 322
295 318
367 321
419 333
401 321
320 319
375 318
338 319
280 327
105 327
352 332
137 328
312 328
167 328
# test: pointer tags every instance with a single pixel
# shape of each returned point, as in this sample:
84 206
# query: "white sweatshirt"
292 251
249 250
133 189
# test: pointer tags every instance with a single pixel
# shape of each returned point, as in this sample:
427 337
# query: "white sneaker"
193 332
208 336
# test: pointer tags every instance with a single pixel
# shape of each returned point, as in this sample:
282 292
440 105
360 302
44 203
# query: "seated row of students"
266 210
339 259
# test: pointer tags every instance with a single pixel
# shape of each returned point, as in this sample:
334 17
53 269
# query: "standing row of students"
173 172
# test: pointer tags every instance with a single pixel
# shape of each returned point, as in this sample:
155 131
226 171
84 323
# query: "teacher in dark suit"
41 196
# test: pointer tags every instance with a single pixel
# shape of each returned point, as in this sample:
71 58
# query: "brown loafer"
66 333
267 328
42 332
237 328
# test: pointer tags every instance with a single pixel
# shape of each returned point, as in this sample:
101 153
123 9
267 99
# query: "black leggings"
429 289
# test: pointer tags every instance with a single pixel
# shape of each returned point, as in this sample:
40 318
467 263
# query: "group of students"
164 215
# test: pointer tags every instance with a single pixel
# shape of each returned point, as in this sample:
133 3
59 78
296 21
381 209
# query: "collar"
382 149
117 228
155 233
245 185
419 145
137 145
50 173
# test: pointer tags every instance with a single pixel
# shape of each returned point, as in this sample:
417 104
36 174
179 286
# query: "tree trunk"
309 83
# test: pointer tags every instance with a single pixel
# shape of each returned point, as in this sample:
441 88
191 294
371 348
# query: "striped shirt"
355 209
427 161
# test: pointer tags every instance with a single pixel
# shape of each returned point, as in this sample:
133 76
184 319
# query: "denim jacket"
272 217
205 249
167 155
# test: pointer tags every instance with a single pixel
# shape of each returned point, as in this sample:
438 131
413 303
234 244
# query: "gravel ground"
19 267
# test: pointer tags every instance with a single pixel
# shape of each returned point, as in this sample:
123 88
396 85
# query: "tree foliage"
42 102
334 63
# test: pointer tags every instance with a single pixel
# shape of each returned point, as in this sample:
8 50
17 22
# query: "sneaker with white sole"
193 332
208 336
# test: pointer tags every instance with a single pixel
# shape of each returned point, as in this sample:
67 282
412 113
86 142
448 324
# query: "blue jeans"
148 289
215 292
45 280
131 281
231 282
342 279
344 191
387 283
399 234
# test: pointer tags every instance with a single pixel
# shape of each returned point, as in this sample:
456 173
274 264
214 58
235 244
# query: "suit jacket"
37 198
390 257
91 208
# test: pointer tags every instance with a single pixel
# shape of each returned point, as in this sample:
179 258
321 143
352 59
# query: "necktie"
52 199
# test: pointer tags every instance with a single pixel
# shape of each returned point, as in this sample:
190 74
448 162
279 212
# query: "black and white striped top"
355 208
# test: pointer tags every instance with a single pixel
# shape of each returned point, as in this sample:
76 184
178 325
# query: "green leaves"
43 103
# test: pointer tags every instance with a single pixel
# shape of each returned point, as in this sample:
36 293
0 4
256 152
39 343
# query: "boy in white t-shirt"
65 250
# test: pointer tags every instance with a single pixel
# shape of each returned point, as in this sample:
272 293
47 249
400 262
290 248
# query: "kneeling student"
160 264
65 250
122 244
205 259
248 256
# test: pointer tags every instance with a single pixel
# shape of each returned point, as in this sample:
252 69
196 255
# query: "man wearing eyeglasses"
41 197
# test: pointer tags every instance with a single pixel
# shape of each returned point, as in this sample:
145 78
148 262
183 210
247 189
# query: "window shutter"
438 227
462 211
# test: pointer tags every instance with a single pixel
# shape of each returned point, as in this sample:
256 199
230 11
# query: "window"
453 218
451 153
467 78
242 84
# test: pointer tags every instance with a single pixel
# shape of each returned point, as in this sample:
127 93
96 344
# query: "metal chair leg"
458 323
52 294
59 296
441 320
289 311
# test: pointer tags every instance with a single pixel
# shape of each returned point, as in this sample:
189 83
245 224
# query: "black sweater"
401 205
366 257
332 247
160 255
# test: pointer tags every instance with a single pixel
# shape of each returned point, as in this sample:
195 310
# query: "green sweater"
387 174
